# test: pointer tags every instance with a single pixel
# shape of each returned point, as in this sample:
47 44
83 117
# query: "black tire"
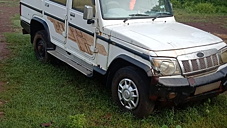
134 97
40 46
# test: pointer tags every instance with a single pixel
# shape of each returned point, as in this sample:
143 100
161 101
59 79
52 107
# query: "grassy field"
36 93
183 16
11 3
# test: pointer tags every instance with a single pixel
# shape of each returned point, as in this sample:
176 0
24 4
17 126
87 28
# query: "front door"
82 40
55 12
80 34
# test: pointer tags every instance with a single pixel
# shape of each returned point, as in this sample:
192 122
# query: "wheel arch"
38 24
123 61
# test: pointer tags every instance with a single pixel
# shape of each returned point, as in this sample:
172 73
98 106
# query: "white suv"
146 56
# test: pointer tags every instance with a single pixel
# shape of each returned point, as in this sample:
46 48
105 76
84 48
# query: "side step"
88 71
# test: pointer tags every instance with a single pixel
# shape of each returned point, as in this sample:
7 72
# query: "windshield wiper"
138 14
156 17
126 19
132 15
161 14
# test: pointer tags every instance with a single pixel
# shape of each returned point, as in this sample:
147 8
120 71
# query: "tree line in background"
201 6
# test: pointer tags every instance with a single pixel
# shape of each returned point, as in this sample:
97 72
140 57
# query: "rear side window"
62 2
79 4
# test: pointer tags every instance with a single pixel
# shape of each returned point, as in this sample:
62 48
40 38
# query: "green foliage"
164 126
188 4
207 8
221 9
77 121
176 4
201 6
178 126
215 2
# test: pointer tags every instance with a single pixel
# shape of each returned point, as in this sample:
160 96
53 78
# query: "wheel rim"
40 49
128 94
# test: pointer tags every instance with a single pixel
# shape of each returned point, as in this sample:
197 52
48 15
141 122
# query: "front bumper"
180 90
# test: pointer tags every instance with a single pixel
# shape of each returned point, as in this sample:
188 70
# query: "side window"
63 2
79 4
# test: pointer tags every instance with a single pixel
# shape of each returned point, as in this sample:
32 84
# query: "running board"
85 70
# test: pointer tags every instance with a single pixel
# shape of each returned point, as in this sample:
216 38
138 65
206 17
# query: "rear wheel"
40 46
130 91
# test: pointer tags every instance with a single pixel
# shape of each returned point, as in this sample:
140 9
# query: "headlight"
166 67
224 55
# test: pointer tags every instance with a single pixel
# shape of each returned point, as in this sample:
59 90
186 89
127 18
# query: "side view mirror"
88 14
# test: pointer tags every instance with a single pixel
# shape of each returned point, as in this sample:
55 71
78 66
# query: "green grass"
16 23
9 3
38 93
183 16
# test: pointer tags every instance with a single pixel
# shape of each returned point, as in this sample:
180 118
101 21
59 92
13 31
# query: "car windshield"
130 9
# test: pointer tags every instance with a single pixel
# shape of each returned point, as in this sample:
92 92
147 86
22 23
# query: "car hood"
162 36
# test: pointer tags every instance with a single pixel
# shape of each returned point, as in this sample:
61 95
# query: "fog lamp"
172 95
224 56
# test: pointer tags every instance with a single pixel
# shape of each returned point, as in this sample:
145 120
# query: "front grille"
192 66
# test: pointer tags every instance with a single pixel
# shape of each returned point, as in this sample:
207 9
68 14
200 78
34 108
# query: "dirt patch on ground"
2 114
6 12
1 85
4 51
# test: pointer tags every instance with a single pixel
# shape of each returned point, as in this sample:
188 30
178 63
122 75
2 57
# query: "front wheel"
130 91
40 46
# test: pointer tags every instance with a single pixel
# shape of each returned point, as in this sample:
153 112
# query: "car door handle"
47 5
72 14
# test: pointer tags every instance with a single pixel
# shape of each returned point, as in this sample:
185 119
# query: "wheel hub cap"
128 94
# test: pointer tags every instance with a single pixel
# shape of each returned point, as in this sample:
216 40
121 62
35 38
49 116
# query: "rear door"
55 12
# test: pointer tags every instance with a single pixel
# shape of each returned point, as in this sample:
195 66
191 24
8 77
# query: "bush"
201 6
207 8
221 9
176 4
204 8
218 2
188 4
215 2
